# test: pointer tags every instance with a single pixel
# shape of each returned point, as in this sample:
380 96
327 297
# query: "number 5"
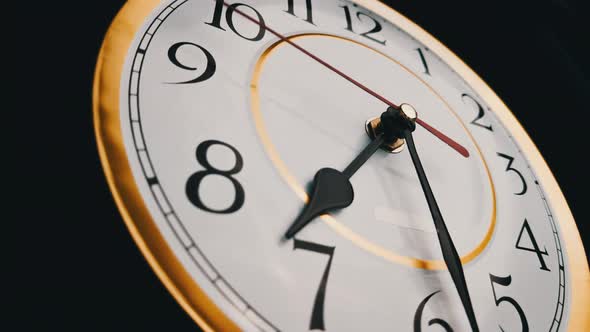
505 281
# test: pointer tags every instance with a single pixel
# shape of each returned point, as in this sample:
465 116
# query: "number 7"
317 315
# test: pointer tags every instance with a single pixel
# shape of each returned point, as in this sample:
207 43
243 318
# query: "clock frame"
160 256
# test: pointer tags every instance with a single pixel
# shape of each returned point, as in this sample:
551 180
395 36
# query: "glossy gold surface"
116 166
298 187
144 231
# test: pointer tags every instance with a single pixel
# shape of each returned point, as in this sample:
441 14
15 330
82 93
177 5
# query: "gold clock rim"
144 231
111 148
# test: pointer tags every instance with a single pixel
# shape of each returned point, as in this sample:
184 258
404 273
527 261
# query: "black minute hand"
450 255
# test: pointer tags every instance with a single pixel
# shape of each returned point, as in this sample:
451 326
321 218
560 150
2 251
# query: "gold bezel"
184 289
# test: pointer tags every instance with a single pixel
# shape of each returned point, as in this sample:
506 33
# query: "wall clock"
248 146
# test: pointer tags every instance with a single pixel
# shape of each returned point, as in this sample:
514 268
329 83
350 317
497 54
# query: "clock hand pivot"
394 122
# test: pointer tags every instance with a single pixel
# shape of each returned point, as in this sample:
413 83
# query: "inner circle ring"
332 222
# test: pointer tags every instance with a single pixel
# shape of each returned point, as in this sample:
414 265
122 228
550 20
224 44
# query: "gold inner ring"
299 190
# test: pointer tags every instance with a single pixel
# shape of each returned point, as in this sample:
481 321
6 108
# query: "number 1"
424 63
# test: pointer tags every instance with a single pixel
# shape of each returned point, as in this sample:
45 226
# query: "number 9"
209 69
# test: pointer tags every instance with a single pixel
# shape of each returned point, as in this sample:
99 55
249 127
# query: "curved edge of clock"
577 261
576 255
136 216
161 258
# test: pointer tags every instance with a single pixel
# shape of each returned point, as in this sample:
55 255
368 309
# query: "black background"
72 264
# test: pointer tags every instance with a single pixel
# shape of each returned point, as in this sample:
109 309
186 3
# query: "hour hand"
331 190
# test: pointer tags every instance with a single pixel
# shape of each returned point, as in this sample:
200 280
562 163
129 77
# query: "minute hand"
450 255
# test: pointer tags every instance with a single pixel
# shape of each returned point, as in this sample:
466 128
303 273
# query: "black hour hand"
331 190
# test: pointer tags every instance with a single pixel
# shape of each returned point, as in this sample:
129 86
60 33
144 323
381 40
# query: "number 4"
535 248
376 25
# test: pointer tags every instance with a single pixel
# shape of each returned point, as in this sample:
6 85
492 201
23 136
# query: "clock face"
224 123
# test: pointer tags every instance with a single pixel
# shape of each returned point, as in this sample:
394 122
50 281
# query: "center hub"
308 118
397 120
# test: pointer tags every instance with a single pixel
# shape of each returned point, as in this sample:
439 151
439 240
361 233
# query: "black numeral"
535 248
217 15
317 314
502 281
308 7
505 281
229 17
480 113
348 18
194 181
509 168
424 63
434 321
376 25
209 68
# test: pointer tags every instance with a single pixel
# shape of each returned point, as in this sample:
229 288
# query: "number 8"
194 181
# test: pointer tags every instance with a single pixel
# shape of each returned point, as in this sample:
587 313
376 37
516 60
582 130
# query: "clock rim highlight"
106 95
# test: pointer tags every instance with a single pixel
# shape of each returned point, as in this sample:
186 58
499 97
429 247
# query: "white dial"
224 125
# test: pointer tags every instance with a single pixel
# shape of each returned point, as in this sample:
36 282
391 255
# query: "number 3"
509 168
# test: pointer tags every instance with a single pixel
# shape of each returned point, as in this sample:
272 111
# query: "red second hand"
449 141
